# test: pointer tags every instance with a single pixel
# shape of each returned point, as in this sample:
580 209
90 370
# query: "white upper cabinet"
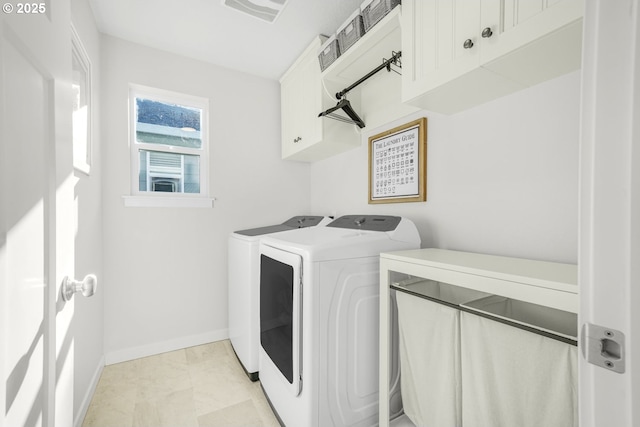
532 40
301 103
305 136
459 53
301 99
456 54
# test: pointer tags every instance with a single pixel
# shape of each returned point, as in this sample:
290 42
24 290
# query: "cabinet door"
290 104
517 23
433 37
301 98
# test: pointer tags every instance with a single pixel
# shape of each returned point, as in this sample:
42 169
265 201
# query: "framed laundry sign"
398 164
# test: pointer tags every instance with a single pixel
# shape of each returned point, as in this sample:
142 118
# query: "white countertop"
541 282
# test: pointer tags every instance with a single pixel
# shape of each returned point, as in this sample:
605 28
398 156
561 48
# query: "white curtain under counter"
482 340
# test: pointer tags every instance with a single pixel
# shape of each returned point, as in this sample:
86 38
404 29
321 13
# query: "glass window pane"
80 119
167 124
169 172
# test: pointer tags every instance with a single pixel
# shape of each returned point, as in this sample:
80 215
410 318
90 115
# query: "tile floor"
203 386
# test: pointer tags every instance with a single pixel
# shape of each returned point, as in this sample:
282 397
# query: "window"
169 144
81 119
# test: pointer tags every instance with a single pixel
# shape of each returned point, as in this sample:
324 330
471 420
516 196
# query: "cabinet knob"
468 44
486 33
298 139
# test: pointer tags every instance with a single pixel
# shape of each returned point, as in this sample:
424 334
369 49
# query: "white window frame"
82 141
162 199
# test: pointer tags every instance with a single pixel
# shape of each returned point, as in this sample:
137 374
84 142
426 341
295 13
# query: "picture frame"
82 108
398 164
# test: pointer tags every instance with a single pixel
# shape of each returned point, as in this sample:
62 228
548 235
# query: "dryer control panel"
367 222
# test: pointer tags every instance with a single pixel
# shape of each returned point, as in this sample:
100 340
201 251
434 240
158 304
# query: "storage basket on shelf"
351 31
328 52
374 10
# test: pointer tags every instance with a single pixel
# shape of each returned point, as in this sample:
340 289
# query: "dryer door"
281 312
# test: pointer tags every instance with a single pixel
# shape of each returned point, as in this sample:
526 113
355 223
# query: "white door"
609 256
36 214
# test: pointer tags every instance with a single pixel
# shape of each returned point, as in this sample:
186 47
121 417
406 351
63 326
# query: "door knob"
87 286
468 44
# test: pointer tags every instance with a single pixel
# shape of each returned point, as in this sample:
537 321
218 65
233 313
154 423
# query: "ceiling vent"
265 10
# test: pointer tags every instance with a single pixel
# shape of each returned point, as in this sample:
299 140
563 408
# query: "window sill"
167 202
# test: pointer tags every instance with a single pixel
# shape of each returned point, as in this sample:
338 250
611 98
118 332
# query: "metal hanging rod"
344 105
386 63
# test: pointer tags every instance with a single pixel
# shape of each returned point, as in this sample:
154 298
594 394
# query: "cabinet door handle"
298 139
468 44
486 33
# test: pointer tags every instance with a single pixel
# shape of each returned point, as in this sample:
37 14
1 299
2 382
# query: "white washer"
244 274
319 315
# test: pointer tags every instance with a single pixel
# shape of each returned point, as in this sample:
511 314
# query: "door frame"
609 228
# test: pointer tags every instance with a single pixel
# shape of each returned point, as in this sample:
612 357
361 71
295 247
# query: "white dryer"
319 315
244 274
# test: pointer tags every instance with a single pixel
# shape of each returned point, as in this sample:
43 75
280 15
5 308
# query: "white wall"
502 177
165 280
88 326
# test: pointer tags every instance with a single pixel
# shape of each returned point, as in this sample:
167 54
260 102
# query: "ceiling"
208 31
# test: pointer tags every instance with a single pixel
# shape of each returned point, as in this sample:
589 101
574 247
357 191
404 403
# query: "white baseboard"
132 353
86 401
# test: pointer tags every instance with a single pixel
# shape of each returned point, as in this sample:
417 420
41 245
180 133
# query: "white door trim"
609 245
